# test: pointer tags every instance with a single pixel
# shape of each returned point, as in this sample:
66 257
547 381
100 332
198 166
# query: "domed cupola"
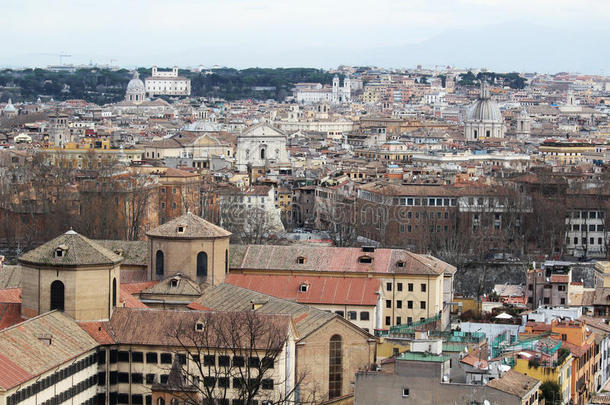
136 90
484 119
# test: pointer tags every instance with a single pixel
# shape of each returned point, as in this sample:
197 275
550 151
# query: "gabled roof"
175 285
327 290
24 355
334 259
514 383
262 130
76 250
227 297
159 327
193 227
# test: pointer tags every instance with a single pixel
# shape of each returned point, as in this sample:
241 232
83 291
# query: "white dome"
10 107
484 109
136 85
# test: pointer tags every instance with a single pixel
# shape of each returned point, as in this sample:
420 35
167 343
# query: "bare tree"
237 355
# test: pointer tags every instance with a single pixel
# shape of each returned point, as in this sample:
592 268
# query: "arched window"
160 401
262 153
335 370
226 260
159 263
174 401
113 292
57 295
202 264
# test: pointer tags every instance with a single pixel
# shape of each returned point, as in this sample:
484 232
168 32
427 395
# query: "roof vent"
368 248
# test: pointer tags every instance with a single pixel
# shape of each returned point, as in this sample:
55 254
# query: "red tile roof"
99 331
12 373
10 295
198 307
334 259
560 278
10 314
136 288
321 289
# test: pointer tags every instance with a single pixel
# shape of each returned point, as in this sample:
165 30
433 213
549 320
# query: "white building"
311 93
167 83
260 146
483 120
586 234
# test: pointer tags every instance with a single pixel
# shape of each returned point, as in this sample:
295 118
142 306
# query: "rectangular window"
423 288
223 361
399 287
388 320
137 357
209 360
410 287
166 358
150 379
364 316
163 378
422 304
388 286
239 361
267 384
123 378
398 304
136 378
352 315
151 357
398 320
223 382
410 304
388 303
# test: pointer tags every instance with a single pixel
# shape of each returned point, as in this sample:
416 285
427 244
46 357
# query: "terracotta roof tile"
193 227
10 314
76 250
338 259
30 356
10 295
320 289
514 383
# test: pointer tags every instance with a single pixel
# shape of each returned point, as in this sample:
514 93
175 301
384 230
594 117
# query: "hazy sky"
319 33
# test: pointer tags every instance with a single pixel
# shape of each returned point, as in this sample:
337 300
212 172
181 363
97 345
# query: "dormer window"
61 250
365 259
174 282
300 260
199 326
303 287
181 229
400 263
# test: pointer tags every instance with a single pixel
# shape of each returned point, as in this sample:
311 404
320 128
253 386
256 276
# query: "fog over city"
547 36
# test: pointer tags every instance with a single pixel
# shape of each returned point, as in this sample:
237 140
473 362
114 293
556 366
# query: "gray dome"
484 110
136 85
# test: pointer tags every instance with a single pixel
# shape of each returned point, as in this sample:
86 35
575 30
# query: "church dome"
136 85
10 107
484 109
